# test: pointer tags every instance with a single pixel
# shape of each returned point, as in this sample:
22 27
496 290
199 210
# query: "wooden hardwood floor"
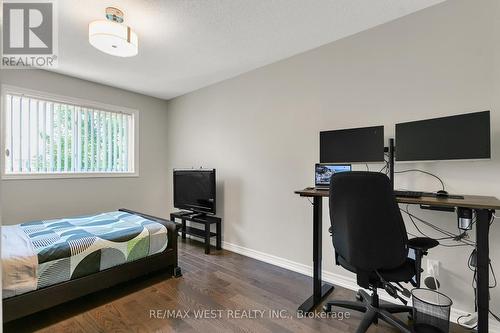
222 281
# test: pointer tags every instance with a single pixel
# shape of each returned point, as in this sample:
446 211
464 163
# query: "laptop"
324 172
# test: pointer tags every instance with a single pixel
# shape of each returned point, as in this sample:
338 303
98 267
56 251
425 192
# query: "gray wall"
25 200
260 130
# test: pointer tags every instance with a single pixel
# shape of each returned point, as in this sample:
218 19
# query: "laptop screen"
325 171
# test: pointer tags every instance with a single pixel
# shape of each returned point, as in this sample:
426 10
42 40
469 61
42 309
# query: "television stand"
204 233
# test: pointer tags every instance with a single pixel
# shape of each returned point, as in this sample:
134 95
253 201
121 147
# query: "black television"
461 137
194 190
355 145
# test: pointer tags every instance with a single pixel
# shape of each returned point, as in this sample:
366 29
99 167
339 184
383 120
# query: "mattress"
43 253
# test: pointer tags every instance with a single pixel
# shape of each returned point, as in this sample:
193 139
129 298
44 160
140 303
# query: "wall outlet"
433 267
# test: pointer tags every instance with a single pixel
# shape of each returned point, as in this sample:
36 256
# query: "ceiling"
185 45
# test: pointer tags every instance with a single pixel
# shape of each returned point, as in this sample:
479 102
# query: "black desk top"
469 201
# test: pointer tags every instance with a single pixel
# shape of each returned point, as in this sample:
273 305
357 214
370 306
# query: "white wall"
25 200
261 129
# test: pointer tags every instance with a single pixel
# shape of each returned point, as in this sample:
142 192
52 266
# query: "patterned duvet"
70 248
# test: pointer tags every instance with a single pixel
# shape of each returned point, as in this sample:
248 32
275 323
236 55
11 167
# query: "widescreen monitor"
356 145
460 137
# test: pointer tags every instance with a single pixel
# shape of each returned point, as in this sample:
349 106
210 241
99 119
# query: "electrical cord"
425 172
416 227
385 170
449 235
494 276
445 232
411 216
474 286
386 166
474 279
462 324
489 260
474 282
494 315
473 269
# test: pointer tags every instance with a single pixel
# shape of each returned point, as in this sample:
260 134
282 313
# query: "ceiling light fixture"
112 37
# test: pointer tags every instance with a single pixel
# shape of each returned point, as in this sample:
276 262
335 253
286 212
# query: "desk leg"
482 244
319 290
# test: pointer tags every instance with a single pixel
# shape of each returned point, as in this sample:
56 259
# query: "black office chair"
370 239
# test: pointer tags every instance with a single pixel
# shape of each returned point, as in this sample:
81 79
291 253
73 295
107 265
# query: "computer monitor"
356 145
461 137
324 172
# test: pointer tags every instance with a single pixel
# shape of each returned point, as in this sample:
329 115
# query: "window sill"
69 175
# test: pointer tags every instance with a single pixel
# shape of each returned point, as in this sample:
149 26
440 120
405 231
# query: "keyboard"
408 194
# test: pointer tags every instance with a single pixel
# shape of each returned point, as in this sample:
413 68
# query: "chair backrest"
368 230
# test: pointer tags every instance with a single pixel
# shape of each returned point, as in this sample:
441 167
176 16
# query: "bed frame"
41 299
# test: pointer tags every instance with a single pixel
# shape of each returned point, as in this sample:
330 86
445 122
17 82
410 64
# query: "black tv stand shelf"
205 233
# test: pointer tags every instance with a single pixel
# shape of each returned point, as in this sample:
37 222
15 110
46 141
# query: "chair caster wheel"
327 308
177 272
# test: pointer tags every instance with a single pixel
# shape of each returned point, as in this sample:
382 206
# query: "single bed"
49 262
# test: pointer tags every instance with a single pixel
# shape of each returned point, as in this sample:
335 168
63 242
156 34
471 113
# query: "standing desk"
483 206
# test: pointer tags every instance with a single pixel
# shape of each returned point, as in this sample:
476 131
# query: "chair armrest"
422 243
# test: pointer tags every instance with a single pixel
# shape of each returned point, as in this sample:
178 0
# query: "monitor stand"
391 162
439 194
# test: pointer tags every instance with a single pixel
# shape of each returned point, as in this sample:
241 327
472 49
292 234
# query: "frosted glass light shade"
113 38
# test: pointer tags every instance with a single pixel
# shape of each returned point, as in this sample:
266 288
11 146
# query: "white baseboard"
330 277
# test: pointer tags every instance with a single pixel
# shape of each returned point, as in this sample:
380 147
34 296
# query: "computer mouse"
442 194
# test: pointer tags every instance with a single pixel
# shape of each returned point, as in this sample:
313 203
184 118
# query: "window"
47 136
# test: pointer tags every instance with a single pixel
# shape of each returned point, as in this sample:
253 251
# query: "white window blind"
48 137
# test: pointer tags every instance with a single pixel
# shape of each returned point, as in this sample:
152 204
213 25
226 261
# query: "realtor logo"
29 34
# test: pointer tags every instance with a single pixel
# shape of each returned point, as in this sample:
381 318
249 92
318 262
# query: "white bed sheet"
19 262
